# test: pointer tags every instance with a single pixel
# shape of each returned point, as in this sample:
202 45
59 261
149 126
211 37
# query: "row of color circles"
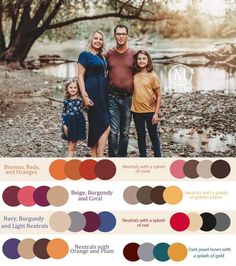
204 221
205 169
158 195
28 196
88 169
162 251
29 248
88 221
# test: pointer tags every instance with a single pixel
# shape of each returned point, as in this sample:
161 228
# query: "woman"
92 77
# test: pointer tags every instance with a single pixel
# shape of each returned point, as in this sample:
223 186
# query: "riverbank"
199 124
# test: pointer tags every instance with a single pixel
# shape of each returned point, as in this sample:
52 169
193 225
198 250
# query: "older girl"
146 114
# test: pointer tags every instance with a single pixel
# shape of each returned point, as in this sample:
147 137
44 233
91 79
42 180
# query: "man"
120 61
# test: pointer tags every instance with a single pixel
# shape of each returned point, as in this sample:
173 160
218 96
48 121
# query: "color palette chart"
123 211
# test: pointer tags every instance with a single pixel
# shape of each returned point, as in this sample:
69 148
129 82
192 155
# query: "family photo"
118 78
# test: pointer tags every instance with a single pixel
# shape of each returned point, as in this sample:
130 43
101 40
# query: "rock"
200 131
10 122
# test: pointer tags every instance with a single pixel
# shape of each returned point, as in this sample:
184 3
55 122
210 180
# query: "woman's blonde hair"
89 43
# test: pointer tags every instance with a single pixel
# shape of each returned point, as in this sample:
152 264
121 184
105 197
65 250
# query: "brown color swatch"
144 195
157 195
190 169
40 248
72 169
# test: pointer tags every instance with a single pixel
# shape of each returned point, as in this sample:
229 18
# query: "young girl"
73 121
144 112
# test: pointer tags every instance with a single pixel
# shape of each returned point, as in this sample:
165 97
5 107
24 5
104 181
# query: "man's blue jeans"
142 120
120 118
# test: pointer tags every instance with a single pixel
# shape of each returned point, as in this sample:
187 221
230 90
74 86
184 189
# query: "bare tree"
29 19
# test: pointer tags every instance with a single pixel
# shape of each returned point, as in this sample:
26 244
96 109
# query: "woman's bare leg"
102 142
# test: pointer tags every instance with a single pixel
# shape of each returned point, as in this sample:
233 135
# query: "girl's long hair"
136 68
89 43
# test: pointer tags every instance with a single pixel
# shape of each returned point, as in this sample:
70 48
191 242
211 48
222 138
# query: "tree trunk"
20 47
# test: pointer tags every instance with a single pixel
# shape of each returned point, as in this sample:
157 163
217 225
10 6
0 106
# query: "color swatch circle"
177 252
160 251
195 221
60 221
87 169
71 169
40 196
10 196
179 221
144 195
130 195
26 196
157 195
130 251
172 195
93 221
222 222
78 221
190 169
209 221
107 221
25 248
56 169
204 169
10 248
57 248
105 169
57 196
176 169
40 248
220 169
145 252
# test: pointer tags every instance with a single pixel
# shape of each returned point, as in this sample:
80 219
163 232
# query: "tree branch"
106 15
51 16
137 8
39 14
14 13
123 6
26 10
141 8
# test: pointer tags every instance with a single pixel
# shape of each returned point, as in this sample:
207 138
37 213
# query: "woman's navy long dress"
96 86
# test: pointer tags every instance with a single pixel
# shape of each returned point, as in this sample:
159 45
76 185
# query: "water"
205 141
203 79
